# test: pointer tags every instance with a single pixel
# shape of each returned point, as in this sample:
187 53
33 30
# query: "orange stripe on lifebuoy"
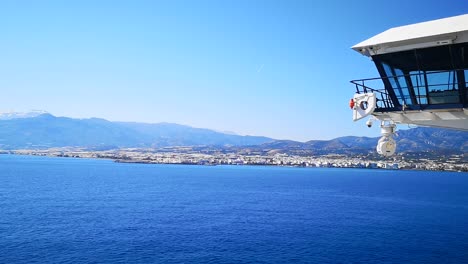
351 103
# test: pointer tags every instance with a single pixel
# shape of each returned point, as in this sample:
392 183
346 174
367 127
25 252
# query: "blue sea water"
63 210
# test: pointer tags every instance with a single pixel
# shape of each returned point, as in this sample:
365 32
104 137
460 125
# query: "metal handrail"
384 100
382 97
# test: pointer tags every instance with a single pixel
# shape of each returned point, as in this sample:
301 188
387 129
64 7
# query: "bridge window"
466 86
430 76
397 80
419 85
443 87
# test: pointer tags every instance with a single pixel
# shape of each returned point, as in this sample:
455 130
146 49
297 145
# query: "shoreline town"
186 156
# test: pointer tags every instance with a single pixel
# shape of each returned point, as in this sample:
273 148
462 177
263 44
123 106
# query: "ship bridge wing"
423 79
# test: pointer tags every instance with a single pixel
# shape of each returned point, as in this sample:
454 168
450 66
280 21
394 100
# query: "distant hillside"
167 134
428 139
36 130
46 131
420 139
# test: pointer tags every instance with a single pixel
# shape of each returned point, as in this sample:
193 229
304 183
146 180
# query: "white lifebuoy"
364 105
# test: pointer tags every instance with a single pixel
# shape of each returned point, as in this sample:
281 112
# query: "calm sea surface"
61 210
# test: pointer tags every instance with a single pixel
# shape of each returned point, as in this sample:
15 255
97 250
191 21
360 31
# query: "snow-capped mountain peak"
15 115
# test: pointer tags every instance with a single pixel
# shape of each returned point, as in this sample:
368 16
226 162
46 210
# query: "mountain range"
415 140
43 130
47 131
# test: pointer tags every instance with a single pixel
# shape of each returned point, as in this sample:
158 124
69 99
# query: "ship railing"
418 90
383 99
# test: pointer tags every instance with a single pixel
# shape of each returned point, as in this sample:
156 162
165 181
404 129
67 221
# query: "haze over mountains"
43 130
46 131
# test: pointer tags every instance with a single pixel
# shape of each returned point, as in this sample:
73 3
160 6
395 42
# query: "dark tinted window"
427 76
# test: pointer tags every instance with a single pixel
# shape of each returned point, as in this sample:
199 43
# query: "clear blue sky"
272 68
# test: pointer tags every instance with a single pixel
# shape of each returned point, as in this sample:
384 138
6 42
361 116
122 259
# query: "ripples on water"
95 211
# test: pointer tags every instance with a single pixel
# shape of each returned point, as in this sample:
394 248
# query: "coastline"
145 156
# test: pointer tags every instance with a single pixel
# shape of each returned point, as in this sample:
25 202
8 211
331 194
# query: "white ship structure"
423 79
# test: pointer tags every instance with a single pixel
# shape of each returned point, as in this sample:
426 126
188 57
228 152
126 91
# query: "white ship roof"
421 35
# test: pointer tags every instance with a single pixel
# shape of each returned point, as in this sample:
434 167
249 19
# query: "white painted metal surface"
421 35
444 118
